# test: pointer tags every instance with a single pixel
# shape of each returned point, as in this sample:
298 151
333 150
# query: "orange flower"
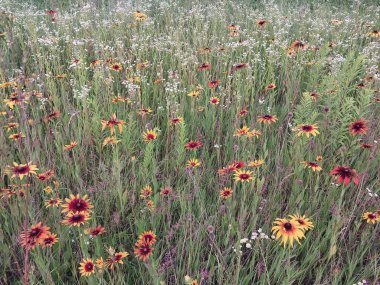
143 250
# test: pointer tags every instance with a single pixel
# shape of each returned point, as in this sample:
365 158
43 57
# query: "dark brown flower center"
89 266
288 226
307 128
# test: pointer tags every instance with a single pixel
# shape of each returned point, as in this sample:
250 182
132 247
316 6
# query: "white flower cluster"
247 242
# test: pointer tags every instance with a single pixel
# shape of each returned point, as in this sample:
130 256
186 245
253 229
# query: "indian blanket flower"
146 192
253 133
270 86
192 145
116 67
214 100
213 84
116 257
87 267
166 191
304 223
143 250
111 124
193 163
176 121
77 204
267 119
149 136
256 163
307 129
71 145
76 219
34 236
49 240
111 141
98 230
371 217
288 231
45 176
225 193
312 165
358 127
148 237
243 175
241 132
204 66
21 170
53 202
17 136
345 174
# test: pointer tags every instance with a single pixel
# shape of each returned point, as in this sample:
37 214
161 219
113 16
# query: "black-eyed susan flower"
87 267
193 163
371 217
305 224
21 170
312 165
77 204
76 219
267 119
307 129
243 175
150 135
225 193
288 231
139 16
358 127
195 93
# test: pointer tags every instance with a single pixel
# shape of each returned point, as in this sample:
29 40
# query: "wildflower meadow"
190 142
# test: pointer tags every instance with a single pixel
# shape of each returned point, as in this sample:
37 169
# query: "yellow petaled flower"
150 205
53 202
17 136
307 130
9 83
76 219
112 123
253 133
99 263
312 165
87 267
371 217
116 67
48 189
241 132
71 145
149 135
305 224
256 163
319 158
111 140
134 79
21 170
243 175
139 16
142 65
288 230
77 204
193 163
146 192
226 193
267 119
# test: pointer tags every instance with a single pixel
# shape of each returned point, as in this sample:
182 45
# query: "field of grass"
203 122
